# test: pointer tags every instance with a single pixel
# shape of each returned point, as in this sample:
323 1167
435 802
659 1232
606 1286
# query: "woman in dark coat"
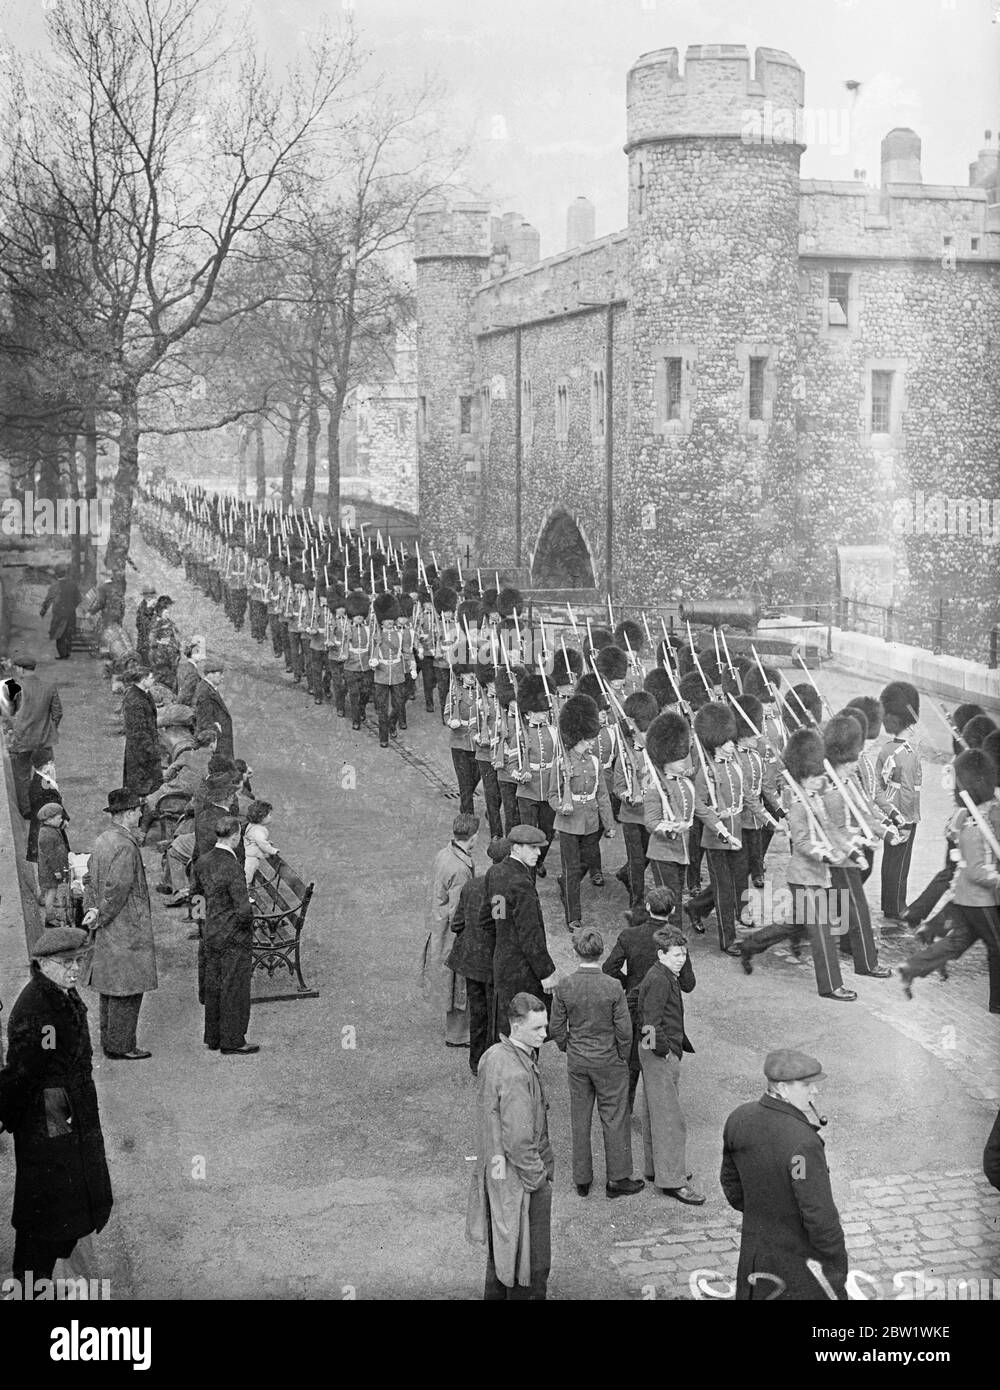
143 768
62 1190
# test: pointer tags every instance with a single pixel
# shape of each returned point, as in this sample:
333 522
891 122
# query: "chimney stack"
580 223
901 157
985 171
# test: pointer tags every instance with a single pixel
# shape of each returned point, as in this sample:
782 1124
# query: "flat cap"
211 661
786 1064
52 810
526 835
25 660
60 941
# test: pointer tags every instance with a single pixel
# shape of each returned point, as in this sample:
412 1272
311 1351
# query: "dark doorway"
561 557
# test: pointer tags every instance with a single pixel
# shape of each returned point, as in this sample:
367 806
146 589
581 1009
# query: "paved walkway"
335 1163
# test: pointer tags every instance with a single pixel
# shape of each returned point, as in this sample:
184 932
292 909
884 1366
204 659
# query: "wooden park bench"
281 900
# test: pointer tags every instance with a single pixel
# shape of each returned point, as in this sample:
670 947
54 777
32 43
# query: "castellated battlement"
594 273
715 95
449 231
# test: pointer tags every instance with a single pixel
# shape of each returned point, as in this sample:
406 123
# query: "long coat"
143 770
124 959
441 986
62 1190
774 1171
513 1158
211 712
63 597
36 723
188 677
521 959
472 951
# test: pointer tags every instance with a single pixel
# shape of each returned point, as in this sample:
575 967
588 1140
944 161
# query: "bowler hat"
121 799
526 835
785 1064
60 941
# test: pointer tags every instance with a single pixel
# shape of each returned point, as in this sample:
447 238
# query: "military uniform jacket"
388 652
461 705
976 882
486 729
359 645
449 634
297 609
669 845
805 865
538 757
899 768
337 639
719 804
505 761
774 1171
628 780
873 793
583 789
752 766
605 747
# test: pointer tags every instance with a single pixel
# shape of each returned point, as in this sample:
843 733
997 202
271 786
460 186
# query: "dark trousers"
480 1005
922 905
895 870
667 874
64 644
296 653
390 706
810 916
227 995
429 681
695 853
317 673
338 684
607 1084
277 638
578 854
753 839
869 852
442 678
511 805
491 794
20 766
119 1017
859 940
636 843
359 692
258 619
540 1240
541 815
968 925
37 1255
727 872
238 607
467 776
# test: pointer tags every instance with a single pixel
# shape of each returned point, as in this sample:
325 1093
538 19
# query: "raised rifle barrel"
722 612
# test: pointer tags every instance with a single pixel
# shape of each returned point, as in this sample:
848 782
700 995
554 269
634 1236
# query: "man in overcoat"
63 597
228 936
521 960
510 1193
143 770
441 986
117 902
210 709
33 724
472 955
62 1190
774 1171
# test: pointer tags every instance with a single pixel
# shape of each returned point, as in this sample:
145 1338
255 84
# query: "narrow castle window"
527 414
839 296
756 388
881 402
597 403
673 378
975 245
640 187
562 412
465 414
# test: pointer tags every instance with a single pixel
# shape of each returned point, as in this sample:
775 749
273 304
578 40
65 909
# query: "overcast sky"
539 85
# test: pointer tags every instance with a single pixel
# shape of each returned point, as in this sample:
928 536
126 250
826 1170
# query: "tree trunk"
333 456
90 488
242 446
312 435
260 461
120 537
291 446
78 539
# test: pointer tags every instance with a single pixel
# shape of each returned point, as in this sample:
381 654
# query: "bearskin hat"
685 660
424 595
692 689
431 571
633 632
754 711
451 579
357 605
801 695
410 572
803 754
599 637
578 721
976 774
641 708
657 683
468 612
485 672
975 730
755 684
991 747
531 697
715 724
612 663
842 739
588 684
386 608
445 600
713 671
405 605
898 699
852 712
510 601
506 687
668 739
871 709
963 714
567 666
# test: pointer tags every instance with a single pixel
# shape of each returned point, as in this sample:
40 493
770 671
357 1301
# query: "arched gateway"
562 558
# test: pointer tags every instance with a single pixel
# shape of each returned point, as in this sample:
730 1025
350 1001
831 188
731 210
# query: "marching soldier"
580 800
486 739
630 777
357 672
509 753
296 614
446 642
668 800
536 761
718 787
387 663
316 634
336 639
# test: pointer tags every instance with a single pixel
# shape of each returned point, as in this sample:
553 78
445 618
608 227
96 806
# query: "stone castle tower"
713 291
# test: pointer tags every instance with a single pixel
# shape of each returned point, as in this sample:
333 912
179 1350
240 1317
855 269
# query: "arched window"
561 559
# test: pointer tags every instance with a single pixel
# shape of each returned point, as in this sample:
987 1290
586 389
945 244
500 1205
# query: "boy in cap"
774 1172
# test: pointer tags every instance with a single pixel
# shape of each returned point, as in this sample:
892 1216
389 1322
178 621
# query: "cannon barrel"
722 612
